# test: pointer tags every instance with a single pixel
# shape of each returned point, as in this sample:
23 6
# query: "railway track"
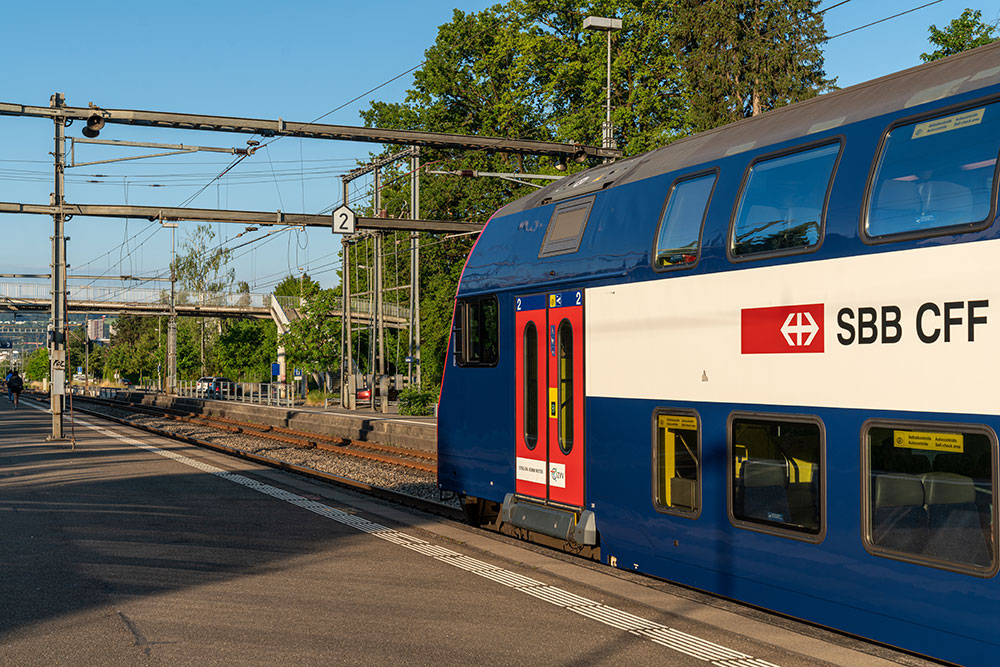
388 454
397 474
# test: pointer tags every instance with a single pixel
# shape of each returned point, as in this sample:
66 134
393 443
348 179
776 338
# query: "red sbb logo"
782 329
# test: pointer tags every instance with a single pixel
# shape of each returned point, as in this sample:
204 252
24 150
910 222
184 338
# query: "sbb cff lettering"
951 320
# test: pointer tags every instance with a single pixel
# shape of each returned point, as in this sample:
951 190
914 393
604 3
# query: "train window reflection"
777 474
679 235
781 207
676 457
930 495
935 174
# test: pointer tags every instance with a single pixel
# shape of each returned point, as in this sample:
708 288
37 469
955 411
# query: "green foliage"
415 401
202 265
966 32
135 347
36 367
313 342
246 349
318 396
293 285
744 57
523 69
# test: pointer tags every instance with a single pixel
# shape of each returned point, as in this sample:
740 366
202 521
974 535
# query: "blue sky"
294 60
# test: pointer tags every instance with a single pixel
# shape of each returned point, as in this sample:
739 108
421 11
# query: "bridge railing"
110 294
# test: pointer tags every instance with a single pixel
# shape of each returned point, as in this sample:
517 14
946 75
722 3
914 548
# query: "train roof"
961 73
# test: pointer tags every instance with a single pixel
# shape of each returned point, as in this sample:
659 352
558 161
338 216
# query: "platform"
129 549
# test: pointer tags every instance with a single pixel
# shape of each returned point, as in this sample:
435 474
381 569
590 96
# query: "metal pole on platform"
172 321
57 341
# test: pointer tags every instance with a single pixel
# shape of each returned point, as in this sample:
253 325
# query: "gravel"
401 480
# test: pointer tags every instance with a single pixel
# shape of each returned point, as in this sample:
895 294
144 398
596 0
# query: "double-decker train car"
761 361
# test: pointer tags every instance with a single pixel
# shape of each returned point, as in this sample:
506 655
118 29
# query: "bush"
416 402
316 396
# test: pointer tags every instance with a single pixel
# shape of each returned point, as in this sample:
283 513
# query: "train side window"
776 475
565 229
935 174
676 462
781 207
928 492
477 331
530 397
679 235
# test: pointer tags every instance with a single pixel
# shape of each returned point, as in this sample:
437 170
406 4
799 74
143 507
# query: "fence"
261 393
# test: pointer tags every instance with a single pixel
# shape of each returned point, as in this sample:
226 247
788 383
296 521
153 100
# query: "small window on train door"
928 494
530 398
678 237
565 388
935 175
783 203
777 476
566 227
477 331
677 462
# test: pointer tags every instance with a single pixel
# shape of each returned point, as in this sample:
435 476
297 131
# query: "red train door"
530 380
549 384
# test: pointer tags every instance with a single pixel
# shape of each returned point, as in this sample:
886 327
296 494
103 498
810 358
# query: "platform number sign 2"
344 220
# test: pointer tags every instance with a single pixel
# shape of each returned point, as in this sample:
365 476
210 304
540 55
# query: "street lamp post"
606 25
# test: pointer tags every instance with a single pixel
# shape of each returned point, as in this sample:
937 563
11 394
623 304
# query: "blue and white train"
762 361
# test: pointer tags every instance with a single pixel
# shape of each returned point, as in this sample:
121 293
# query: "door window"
530 397
565 361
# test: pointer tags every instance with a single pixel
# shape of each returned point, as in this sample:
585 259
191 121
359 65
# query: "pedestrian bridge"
27 297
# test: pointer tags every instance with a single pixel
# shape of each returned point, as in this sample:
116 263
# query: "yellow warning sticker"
948 123
553 401
552 301
938 442
678 423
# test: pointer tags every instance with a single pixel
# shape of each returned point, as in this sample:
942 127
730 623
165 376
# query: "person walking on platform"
14 386
10 394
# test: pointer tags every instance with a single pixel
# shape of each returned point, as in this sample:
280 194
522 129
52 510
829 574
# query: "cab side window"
477 331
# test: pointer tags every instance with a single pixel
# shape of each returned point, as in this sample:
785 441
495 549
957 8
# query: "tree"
135 347
293 285
201 268
36 367
744 57
524 69
246 349
966 32
312 343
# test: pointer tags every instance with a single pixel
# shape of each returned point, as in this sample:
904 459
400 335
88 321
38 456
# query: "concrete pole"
57 343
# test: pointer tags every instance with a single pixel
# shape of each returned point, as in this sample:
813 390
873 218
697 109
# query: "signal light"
94 125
